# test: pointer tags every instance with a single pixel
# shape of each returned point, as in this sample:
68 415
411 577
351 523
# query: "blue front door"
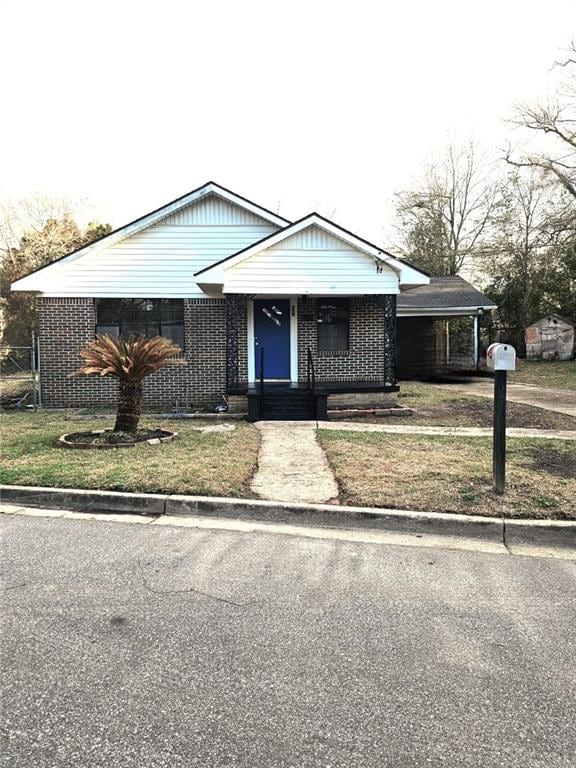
272 334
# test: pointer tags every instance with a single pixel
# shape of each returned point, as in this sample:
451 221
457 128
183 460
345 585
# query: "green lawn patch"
559 374
213 464
447 474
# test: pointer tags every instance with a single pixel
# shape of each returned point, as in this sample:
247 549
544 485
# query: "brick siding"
364 359
67 324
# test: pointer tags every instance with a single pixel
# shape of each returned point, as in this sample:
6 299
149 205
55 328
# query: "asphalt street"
140 646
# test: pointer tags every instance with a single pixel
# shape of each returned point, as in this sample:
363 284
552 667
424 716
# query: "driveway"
559 400
130 646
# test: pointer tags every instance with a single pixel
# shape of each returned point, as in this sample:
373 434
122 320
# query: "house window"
143 317
333 324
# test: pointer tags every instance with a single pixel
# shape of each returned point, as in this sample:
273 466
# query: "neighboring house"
263 308
550 338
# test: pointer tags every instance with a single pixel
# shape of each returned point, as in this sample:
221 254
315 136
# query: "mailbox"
501 357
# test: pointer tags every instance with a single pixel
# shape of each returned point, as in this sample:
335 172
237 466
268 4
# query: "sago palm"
130 361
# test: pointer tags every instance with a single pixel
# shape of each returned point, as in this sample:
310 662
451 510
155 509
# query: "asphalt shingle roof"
442 293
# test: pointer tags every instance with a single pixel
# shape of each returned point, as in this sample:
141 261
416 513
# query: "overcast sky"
331 106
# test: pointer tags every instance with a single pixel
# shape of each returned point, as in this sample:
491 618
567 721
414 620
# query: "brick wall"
67 324
364 359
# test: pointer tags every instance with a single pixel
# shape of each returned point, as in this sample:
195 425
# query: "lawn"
555 375
212 464
434 406
446 474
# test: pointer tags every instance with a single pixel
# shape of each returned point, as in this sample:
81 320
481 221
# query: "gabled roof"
210 188
444 293
556 317
408 273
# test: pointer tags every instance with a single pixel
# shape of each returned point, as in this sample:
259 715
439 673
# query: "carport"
438 328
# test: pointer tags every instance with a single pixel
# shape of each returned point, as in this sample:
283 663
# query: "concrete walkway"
558 400
402 429
291 464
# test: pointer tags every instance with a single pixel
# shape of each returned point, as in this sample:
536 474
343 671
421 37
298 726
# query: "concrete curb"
336 516
519 533
73 498
540 533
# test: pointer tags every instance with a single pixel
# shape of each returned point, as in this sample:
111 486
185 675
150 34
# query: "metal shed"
550 338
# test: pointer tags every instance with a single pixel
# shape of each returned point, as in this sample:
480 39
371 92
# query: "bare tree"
33 233
555 122
442 223
524 258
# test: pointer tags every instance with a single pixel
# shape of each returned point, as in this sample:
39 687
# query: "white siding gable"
161 260
312 261
215 210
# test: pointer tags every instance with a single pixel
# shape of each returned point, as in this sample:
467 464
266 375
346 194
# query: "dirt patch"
468 411
475 412
479 413
553 460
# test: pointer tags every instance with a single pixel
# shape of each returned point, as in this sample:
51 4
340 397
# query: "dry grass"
15 384
444 474
218 464
555 375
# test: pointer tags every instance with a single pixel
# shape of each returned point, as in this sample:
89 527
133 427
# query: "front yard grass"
447 474
558 374
435 406
211 464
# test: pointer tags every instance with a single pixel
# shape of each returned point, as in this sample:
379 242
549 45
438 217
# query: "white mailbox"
501 357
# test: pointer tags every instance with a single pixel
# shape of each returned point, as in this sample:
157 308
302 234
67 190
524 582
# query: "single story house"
277 317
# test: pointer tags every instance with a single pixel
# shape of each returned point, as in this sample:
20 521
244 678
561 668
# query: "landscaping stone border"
65 443
510 532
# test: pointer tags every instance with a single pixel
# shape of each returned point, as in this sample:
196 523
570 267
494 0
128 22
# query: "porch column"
235 312
389 307
476 341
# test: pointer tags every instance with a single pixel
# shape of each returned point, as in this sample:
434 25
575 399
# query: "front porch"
293 356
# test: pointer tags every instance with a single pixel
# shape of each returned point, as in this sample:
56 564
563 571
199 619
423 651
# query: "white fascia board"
268 292
443 311
29 282
24 284
408 275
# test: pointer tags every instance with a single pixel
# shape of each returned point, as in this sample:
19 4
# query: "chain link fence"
19 376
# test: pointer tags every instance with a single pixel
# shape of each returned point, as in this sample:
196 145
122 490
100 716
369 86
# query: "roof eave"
443 311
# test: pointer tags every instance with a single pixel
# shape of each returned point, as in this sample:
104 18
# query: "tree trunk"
129 407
